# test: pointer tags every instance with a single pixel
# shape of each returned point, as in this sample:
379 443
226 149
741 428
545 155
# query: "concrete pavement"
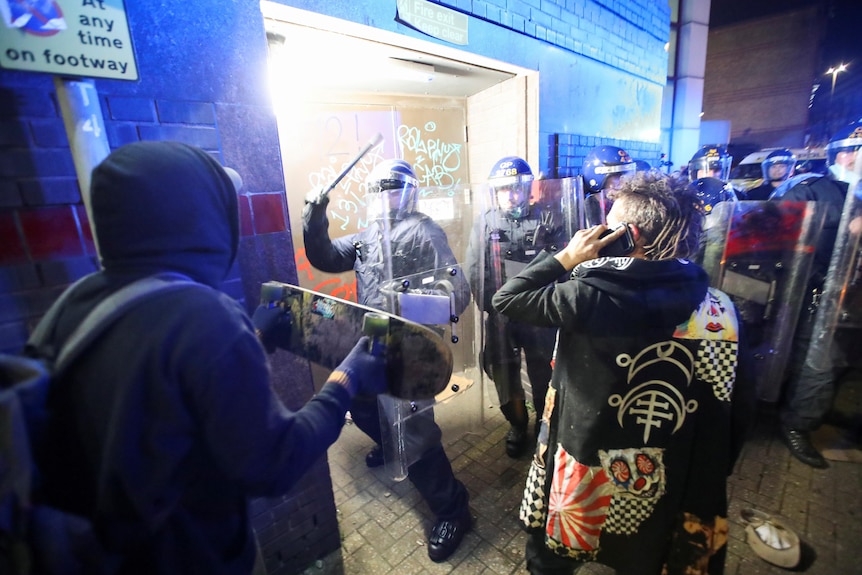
384 523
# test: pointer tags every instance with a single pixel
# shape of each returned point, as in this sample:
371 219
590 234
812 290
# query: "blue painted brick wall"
132 109
172 112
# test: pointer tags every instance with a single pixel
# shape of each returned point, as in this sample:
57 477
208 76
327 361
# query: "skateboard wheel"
405 284
375 324
454 339
454 318
455 388
453 272
413 406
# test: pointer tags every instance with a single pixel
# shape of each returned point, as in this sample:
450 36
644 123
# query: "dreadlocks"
665 210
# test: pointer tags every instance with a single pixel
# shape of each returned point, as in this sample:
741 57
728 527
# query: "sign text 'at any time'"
88 38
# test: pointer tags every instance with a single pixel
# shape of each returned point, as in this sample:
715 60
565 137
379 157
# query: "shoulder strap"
106 313
43 329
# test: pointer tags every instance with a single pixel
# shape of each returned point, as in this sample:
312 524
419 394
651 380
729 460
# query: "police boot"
516 414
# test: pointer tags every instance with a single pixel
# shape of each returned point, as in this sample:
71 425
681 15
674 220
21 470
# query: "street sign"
87 38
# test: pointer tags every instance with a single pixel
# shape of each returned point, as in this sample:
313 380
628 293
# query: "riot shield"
840 304
760 254
424 282
502 243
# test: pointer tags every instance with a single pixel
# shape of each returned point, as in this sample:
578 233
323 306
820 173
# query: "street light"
835 71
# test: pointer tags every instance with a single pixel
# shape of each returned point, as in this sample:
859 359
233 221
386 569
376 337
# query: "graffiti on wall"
437 163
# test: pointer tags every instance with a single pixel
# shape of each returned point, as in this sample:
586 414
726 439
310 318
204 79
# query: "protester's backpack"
35 538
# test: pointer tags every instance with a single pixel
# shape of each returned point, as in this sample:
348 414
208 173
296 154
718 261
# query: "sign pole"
85 129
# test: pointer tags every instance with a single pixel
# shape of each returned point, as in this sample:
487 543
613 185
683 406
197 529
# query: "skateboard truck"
376 327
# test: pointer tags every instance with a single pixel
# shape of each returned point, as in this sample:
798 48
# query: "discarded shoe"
374 458
800 446
516 442
446 536
770 539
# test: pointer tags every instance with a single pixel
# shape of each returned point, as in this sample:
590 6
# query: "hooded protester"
647 407
166 425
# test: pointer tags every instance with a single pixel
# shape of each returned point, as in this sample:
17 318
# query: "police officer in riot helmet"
777 167
603 168
708 172
711 191
415 243
394 184
710 161
809 391
511 234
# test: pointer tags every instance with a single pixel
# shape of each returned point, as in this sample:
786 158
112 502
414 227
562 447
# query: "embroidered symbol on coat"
619 263
715 324
577 505
638 477
655 402
694 542
716 365
714 319
532 511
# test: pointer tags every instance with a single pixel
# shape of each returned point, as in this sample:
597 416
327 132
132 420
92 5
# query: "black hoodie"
165 426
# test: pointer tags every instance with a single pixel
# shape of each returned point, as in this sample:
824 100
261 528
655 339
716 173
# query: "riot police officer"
710 161
810 389
777 167
415 243
603 167
503 242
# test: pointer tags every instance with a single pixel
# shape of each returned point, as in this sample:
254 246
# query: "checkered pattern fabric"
564 551
626 514
533 511
716 364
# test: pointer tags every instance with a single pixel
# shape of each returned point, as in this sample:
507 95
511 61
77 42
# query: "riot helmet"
841 153
511 181
392 187
710 161
711 191
778 166
642 166
604 166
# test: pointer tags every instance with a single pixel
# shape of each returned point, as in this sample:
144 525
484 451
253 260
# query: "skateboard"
324 329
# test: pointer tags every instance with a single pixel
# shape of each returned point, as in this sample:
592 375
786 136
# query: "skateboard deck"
325 329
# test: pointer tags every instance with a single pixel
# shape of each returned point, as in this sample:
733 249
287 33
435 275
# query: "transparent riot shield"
760 254
503 241
423 248
840 304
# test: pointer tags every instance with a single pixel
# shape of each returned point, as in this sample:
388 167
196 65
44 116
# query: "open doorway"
450 114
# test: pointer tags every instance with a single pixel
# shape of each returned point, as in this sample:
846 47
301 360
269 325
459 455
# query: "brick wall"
620 33
569 151
775 110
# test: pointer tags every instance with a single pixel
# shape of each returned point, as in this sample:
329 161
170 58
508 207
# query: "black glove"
272 326
365 372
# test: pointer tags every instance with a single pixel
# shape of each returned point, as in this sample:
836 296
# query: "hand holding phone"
622 246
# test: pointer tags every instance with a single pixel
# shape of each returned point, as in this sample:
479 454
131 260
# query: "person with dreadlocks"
649 400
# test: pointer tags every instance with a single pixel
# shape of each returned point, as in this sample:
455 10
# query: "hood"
664 291
161 206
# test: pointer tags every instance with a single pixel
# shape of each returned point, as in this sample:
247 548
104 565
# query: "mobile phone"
623 245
